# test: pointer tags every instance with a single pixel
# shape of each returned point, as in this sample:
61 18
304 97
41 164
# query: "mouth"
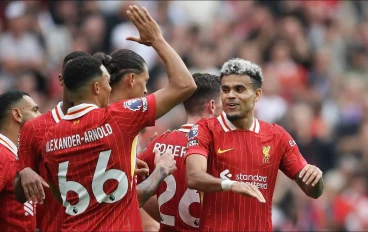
231 105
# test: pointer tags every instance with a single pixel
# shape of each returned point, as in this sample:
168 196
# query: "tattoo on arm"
147 188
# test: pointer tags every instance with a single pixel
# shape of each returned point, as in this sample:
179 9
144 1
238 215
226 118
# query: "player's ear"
258 95
96 88
130 79
17 115
61 80
211 107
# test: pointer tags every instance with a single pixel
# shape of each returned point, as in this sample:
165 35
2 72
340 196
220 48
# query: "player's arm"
293 164
310 181
181 84
165 165
152 208
28 184
199 179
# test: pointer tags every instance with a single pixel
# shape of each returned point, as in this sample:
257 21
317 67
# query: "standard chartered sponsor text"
257 180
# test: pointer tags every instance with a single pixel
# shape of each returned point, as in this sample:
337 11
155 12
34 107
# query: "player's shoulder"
135 104
41 122
6 155
270 128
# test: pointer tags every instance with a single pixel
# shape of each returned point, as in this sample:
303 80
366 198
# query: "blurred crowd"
314 57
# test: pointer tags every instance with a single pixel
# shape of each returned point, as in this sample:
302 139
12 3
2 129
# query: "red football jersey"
51 215
180 207
14 216
90 155
252 156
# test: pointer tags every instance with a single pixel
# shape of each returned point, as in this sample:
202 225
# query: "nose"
231 94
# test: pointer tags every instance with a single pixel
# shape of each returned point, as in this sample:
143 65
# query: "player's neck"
193 119
65 106
244 123
87 101
118 96
11 131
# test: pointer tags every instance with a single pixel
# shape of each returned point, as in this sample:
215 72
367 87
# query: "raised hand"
248 190
148 29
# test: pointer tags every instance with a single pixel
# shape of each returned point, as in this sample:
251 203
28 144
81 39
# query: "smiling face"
238 96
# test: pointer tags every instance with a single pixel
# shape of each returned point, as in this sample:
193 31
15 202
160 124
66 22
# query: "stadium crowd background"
314 56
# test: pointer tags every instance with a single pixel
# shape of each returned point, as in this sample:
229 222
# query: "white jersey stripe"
79 111
225 124
57 113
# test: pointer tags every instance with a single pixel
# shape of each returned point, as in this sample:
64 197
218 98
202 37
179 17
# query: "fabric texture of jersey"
14 216
50 214
90 156
253 156
180 207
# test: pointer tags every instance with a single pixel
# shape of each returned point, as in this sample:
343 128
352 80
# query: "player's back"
50 213
91 157
252 156
179 206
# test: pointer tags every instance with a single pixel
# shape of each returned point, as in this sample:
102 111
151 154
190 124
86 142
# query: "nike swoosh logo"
223 151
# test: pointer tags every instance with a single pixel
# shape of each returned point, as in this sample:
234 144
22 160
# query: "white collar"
79 110
57 113
9 144
228 126
185 128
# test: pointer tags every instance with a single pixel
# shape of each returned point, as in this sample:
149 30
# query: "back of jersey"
91 157
179 206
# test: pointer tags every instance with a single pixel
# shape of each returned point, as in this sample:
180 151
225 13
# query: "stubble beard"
233 117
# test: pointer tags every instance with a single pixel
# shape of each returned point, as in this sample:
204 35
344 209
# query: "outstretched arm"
181 84
165 165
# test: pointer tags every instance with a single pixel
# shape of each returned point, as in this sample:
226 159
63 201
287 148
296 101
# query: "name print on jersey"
77 139
176 150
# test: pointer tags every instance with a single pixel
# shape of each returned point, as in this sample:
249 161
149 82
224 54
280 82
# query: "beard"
233 117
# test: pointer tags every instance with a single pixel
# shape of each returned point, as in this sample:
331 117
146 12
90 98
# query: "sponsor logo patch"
134 104
145 104
193 132
193 143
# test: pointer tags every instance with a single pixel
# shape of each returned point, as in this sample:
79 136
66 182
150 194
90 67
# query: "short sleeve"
292 161
135 114
6 172
199 139
28 152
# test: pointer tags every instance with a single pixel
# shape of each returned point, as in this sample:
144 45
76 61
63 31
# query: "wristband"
226 184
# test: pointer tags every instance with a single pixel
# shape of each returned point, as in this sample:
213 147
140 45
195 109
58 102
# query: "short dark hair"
239 66
71 56
208 87
120 63
79 71
8 100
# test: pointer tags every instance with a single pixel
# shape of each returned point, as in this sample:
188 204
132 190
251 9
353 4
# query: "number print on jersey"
99 178
165 197
190 196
